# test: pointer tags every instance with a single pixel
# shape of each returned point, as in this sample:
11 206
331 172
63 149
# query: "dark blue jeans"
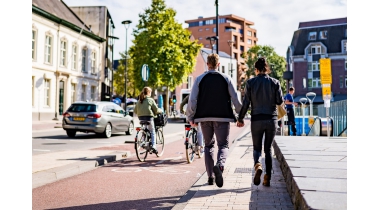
258 130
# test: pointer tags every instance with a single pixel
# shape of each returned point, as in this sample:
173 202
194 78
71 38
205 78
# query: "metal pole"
217 27
112 73
125 70
328 122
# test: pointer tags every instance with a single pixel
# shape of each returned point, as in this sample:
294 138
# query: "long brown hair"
144 93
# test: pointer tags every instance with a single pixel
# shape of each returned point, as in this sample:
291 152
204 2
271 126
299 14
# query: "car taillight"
66 114
94 116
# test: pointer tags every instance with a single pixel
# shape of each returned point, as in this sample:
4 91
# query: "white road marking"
41 150
103 142
174 134
76 140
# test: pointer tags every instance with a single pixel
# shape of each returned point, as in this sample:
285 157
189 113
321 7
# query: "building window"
235 55
242 48
189 82
83 95
93 62
73 86
323 34
341 85
207 45
48 50
345 46
63 53
254 34
314 82
47 92
304 83
345 81
84 54
74 58
249 41
249 33
201 23
200 38
207 29
312 35
209 22
200 29
214 30
32 91
93 88
313 66
223 71
315 50
34 39
254 42
345 65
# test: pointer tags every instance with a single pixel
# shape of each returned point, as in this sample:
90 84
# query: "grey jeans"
222 132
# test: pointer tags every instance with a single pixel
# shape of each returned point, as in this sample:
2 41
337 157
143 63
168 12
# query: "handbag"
281 112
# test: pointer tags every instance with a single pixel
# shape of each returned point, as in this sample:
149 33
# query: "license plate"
79 118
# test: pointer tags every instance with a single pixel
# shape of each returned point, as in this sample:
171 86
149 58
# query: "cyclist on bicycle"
199 130
146 109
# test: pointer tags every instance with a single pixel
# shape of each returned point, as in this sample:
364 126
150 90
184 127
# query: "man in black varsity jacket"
210 104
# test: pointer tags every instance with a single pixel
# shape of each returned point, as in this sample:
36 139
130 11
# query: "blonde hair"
144 93
213 60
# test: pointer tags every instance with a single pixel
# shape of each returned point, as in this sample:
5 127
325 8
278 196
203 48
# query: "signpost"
326 80
145 73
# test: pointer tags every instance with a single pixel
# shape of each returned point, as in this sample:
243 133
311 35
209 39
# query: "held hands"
240 124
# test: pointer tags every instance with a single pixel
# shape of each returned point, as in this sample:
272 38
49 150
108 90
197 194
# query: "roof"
317 23
221 53
335 34
61 10
58 11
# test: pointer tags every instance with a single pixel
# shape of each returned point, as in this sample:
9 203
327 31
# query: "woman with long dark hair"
146 109
263 93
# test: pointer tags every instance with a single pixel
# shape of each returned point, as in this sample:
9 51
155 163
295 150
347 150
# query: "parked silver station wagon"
100 117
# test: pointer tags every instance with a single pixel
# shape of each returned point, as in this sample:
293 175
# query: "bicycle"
173 112
191 144
143 141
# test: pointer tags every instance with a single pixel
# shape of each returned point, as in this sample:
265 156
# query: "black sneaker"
218 170
211 181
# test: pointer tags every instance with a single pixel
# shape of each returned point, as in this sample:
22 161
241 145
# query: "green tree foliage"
119 78
276 63
162 44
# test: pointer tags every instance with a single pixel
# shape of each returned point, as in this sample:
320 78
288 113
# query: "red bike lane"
128 184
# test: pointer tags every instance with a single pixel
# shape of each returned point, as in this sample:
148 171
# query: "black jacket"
263 93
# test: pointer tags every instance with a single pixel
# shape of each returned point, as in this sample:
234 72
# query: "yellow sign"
325 70
311 121
326 89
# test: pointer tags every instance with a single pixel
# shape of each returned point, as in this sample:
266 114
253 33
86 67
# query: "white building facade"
66 62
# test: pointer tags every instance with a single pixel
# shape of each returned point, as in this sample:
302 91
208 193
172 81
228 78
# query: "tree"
162 44
276 63
119 78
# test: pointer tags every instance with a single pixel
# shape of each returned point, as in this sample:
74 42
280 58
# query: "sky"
274 20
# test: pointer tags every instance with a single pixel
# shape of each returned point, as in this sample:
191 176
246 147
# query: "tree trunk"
166 103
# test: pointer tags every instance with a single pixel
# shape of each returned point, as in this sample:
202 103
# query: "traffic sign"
145 72
326 89
325 71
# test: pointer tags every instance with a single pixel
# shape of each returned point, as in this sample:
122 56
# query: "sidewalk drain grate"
243 170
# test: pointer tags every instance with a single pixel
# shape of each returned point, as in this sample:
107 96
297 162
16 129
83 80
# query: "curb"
298 200
52 175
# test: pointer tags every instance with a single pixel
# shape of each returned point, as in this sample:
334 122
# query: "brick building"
231 27
314 40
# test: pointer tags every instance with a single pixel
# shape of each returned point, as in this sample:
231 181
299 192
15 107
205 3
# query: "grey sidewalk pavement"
315 170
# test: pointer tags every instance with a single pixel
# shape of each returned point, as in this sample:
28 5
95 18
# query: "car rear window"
82 108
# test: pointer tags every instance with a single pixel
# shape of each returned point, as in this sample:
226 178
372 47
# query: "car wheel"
107 131
130 129
71 133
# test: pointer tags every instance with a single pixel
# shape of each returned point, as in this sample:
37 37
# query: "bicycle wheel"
141 145
160 142
190 153
195 140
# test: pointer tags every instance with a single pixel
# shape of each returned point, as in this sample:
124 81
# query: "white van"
183 94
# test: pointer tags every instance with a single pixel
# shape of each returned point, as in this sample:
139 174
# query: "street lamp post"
231 43
213 40
113 43
126 24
